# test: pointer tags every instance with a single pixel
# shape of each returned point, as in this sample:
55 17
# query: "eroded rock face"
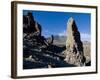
74 45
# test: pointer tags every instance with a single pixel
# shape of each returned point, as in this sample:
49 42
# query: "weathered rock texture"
38 51
74 45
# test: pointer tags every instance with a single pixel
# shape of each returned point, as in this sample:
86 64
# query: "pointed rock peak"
74 45
71 25
70 20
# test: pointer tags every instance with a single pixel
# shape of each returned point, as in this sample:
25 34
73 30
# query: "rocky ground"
36 55
40 56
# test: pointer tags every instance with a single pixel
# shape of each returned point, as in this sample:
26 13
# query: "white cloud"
63 33
85 37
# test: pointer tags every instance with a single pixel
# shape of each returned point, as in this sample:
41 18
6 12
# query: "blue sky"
56 22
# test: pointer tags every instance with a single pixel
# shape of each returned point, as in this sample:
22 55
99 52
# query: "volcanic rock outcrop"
33 42
74 45
38 51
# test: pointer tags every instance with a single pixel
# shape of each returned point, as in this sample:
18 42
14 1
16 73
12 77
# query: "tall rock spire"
74 45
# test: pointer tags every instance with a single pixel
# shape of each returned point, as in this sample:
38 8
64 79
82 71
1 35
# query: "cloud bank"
84 36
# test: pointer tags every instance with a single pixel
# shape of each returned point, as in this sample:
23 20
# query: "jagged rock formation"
32 29
33 42
39 52
74 45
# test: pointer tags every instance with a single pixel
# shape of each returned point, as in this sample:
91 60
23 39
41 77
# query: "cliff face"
74 45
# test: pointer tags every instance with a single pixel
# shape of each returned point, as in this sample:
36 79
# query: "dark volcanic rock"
39 52
74 45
